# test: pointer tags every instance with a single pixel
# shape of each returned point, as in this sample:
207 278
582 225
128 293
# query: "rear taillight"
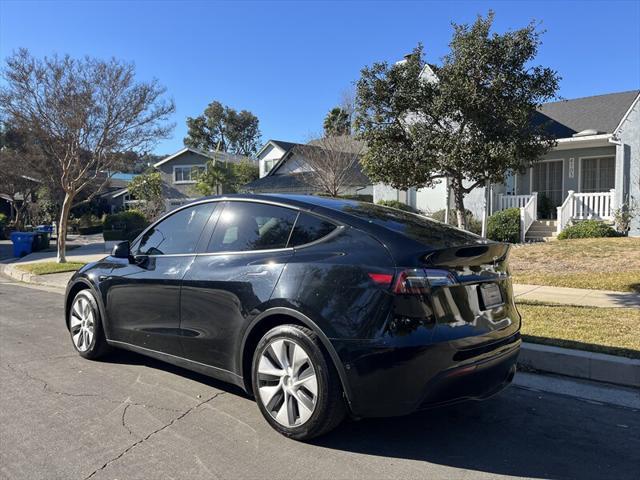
418 281
382 279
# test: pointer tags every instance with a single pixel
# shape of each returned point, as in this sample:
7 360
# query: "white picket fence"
512 201
586 206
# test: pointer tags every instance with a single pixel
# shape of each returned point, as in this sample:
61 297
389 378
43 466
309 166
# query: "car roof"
308 201
365 216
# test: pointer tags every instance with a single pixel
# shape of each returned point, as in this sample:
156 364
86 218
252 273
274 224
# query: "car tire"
296 384
85 326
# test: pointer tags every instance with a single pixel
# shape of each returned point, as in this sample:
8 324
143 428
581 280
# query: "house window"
268 165
598 174
187 173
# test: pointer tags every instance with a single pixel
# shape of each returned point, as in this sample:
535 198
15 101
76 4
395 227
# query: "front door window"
598 174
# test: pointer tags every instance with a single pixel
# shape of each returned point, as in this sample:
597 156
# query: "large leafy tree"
472 125
337 122
225 129
81 114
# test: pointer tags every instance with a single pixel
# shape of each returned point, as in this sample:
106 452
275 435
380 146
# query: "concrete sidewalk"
576 296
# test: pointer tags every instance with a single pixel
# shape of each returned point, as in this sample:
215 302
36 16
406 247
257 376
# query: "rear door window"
310 228
246 226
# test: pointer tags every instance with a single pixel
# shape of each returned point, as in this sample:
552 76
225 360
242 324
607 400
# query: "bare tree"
330 164
82 113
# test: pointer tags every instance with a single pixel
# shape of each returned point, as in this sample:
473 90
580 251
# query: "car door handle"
102 278
257 274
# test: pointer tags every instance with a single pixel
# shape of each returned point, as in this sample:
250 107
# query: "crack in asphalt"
48 389
147 437
124 423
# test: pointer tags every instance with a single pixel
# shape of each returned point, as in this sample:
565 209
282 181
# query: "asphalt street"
129 417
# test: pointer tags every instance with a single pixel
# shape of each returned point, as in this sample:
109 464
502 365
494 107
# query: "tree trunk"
61 241
458 196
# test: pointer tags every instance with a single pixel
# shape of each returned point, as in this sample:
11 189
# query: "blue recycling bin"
22 243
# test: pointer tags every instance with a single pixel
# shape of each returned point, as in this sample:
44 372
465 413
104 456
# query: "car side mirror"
121 250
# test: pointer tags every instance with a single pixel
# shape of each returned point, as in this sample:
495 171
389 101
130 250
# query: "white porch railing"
586 206
512 201
528 214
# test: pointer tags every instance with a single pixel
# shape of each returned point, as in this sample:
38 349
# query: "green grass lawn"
606 330
44 268
592 263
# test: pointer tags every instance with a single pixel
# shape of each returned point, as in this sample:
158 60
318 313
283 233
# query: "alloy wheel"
287 382
82 323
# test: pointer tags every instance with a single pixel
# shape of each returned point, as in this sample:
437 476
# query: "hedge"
125 225
3 223
90 230
504 226
587 229
398 205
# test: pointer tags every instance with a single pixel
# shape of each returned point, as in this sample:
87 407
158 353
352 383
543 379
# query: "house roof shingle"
600 112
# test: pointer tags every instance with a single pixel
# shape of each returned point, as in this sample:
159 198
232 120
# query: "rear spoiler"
468 255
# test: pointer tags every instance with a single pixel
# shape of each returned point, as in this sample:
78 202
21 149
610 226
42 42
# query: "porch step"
542 231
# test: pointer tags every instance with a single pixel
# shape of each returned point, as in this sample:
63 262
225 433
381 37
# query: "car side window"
310 228
178 233
245 226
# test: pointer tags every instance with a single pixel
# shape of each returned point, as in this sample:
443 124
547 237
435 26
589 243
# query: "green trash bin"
41 241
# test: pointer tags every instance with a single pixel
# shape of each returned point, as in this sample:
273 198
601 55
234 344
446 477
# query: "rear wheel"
85 326
296 386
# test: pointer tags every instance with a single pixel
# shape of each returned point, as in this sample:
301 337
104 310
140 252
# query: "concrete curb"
597 367
27 277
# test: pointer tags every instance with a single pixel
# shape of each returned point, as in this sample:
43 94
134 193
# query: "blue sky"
288 62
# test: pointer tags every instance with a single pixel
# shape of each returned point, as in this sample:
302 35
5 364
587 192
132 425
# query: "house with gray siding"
593 170
179 171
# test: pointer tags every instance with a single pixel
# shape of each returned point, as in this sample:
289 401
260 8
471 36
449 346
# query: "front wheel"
85 326
295 384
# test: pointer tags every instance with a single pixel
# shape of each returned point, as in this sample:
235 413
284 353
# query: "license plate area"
490 295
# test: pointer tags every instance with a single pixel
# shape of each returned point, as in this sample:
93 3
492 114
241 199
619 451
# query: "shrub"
122 225
3 223
398 205
473 224
90 230
587 229
504 226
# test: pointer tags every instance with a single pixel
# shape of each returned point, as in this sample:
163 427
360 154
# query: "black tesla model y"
319 308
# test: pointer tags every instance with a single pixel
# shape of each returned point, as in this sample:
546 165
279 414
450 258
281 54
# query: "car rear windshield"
417 227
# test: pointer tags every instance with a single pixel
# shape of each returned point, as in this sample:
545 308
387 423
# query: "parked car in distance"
319 308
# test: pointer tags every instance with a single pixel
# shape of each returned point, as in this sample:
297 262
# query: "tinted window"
310 228
178 233
252 226
417 227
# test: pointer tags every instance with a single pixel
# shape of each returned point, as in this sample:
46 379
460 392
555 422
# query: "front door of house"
546 179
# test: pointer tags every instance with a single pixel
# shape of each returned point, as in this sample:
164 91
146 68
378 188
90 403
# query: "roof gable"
602 113
224 156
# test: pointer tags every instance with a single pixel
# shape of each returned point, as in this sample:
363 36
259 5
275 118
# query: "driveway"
136 418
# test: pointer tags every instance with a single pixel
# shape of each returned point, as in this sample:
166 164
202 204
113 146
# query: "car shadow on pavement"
125 357
519 432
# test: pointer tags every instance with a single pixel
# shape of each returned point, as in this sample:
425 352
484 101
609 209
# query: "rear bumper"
397 380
